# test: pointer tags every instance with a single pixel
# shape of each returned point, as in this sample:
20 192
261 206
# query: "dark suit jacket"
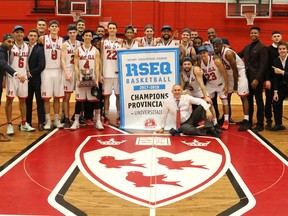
280 80
36 64
256 61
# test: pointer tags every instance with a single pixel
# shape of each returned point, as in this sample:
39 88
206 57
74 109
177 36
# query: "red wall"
200 16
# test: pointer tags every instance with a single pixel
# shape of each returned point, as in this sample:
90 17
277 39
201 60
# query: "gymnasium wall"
194 15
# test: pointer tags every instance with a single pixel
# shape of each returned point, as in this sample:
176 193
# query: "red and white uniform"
145 42
70 52
191 84
171 43
134 44
110 66
243 86
86 63
188 49
215 80
52 77
18 61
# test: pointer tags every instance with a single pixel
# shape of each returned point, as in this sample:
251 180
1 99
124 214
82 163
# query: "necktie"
178 115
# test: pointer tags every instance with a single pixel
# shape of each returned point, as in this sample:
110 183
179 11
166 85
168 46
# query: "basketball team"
50 67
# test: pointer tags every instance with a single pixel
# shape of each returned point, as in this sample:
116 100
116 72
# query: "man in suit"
280 66
36 64
272 54
255 58
178 108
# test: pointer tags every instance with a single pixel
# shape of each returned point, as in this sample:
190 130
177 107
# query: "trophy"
87 80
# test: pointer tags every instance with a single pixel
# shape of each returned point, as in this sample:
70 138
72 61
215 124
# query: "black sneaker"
62 120
82 121
268 126
258 128
245 125
218 128
278 127
67 124
174 132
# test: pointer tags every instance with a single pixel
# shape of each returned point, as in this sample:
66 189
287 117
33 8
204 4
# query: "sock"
215 121
107 113
246 117
23 123
47 117
98 117
56 116
77 116
226 117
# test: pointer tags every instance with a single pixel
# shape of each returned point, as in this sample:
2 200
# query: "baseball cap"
187 58
217 41
96 37
201 49
7 36
166 27
18 27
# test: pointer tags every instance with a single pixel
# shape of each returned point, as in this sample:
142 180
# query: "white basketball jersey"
110 62
18 58
171 43
70 52
191 83
240 64
211 72
52 50
145 42
132 46
87 60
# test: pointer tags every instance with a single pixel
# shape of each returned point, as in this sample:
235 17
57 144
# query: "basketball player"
130 42
194 34
41 26
109 77
100 31
80 25
67 63
87 62
165 40
186 44
236 77
148 40
217 80
191 79
52 77
16 87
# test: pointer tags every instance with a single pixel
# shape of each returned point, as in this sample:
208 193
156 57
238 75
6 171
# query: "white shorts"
15 88
109 85
84 93
213 89
52 84
69 87
243 86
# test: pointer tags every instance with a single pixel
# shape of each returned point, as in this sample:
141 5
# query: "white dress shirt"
170 108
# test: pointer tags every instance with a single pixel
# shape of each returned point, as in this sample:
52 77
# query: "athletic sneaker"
89 122
10 129
67 124
75 125
99 125
106 121
225 125
58 124
26 127
82 121
47 125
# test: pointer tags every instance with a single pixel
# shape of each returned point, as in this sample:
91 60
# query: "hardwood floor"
83 193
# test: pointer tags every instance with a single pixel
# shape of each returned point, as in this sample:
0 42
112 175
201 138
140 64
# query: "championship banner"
146 77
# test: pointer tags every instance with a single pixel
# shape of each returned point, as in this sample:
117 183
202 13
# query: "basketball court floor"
113 172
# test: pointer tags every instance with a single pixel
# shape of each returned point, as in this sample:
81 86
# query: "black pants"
197 115
39 102
257 93
268 105
278 105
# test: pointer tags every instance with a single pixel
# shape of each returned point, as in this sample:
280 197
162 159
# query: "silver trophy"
87 80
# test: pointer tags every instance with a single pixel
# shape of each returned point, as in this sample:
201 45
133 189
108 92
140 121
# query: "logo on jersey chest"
152 170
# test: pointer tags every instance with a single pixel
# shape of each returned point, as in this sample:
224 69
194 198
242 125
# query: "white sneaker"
10 129
47 126
99 125
75 125
26 127
58 124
